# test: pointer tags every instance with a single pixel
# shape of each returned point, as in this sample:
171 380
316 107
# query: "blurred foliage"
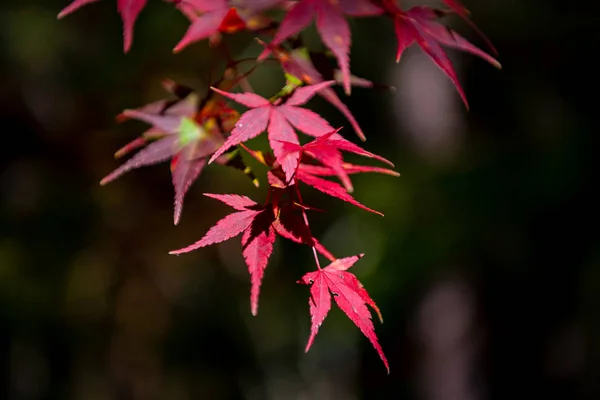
93 307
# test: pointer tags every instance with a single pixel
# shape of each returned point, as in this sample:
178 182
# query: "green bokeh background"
486 266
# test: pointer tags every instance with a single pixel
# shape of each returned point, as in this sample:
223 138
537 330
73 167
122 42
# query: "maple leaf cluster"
191 130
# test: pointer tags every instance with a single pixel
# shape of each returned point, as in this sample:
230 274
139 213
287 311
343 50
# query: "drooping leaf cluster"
192 131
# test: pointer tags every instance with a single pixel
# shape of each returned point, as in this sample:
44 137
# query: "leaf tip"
219 91
125 114
266 51
178 47
350 188
378 312
464 98
310 342
64 12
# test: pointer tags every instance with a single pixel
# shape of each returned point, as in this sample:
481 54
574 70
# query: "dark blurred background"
486 266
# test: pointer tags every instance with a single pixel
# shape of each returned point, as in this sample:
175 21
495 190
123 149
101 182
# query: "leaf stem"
231 63
305 217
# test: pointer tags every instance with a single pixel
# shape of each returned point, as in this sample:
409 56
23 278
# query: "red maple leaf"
258 225
298 64
419 25
276 179
330 188
350 296
327 150
279 120
320 61
331 25
129 10
463 12
349 169
310 175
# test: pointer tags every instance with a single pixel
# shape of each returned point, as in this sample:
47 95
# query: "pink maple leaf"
350 296
179 139
160 107
279 120
258 226
129 10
